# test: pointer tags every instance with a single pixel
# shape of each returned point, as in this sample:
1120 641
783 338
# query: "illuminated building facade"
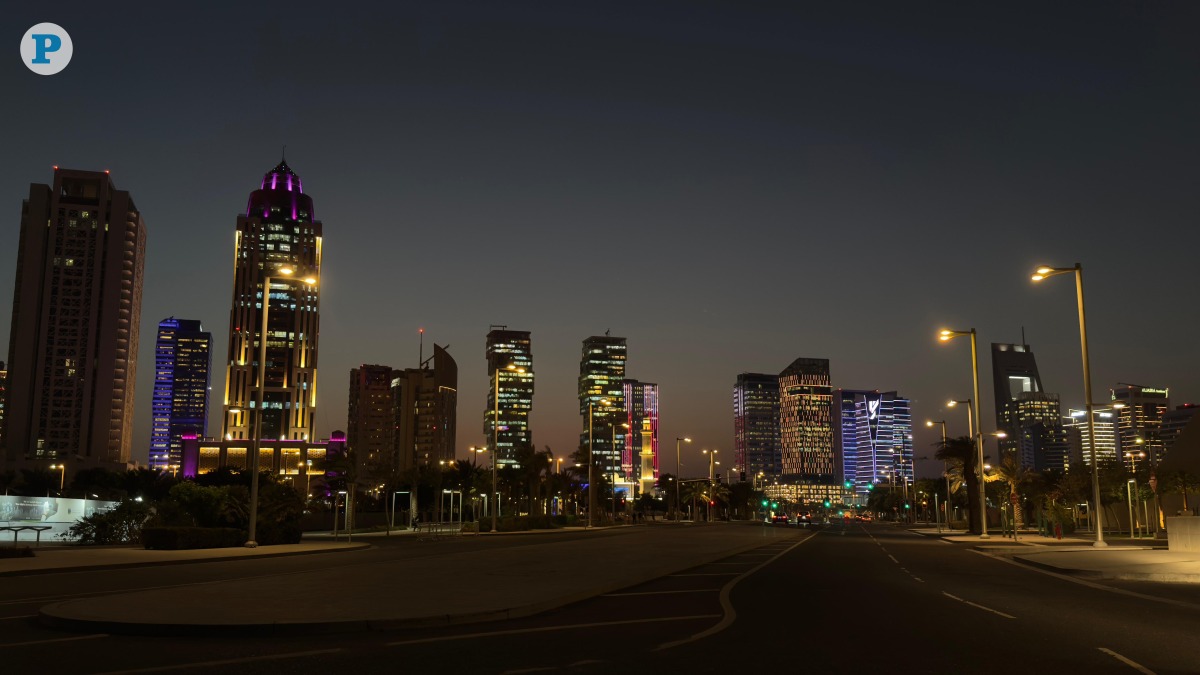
1033 422
807 452
1141 415
370 418
873 436
510 374
75 319
639 458
1014 373
182 363
425 409
756 447
1105 422
278 238
601 377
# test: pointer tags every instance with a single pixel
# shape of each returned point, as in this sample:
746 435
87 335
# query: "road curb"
48 617
188 561
1097 575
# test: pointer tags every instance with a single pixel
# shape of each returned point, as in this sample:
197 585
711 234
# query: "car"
780 518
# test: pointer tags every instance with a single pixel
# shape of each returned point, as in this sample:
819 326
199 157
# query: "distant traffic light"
764 502
827 503
848 485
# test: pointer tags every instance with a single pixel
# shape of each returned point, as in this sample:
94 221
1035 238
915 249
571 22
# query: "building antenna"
1023 343
421 352
284 154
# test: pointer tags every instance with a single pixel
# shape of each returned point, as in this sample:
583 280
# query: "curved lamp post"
678 439
1045 272
946 336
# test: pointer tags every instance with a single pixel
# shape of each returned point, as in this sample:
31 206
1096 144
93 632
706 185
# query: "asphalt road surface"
834 600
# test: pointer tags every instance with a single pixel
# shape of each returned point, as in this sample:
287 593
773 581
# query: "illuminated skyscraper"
1034 428
756 446
182 362
1105 423
806 428
277 238
601 376
510 372
873 436
75 319
1014 372
1141 416
639 458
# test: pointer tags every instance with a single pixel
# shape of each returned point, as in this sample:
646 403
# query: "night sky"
728 185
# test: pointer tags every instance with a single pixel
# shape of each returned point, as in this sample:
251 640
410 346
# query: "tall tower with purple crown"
278 241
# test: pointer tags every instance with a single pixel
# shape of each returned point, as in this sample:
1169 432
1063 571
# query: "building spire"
283 155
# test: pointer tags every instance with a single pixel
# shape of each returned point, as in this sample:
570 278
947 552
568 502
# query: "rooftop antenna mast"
421 350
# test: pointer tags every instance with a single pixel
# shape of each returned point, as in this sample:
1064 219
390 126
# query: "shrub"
121 524
177 538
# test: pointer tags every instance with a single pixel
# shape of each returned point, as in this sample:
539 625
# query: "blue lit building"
182 363
873 436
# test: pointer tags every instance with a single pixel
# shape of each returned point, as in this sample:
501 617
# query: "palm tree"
693 491
961 452
718 493
1016 476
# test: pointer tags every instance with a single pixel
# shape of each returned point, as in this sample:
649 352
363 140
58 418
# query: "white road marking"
622 595
986 609
546 629
1132 664
946 541
66 639
729 614
1089 584
222 662
893 558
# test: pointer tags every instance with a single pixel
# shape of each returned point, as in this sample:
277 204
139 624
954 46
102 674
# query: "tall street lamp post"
712 456
678 439
945 468
62 476
1045 272
946 336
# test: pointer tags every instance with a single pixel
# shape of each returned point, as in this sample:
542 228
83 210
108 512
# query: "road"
830 600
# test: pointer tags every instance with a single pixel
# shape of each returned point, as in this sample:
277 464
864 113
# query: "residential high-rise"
1034 428
756 448
1140 415
1014 372
277 238
1105 422
601 376
806 429
425 405
371 418
510 373
873 436
76 314
639 458
182 362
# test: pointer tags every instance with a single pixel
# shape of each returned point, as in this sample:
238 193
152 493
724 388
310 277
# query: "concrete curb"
187 561
1099 575
47 617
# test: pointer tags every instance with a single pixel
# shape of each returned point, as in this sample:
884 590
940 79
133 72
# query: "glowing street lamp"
62 475
946 336
1045 272
677 441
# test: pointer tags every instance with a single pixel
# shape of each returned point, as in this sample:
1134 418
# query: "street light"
946 336
496 437
62 475
945 468
255 459
1045 272
712 456
677 440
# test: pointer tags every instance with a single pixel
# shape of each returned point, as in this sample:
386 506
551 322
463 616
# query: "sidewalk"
1075 556
79 558
456 585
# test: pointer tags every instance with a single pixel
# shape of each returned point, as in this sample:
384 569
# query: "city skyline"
958 179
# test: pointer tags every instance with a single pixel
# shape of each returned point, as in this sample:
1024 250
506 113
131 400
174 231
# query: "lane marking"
547 629
66 639
622 595
986 609
729 615
1132 664
893 558
1091 584
946 541
223 662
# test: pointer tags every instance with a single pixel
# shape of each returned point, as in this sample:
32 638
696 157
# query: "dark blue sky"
729 185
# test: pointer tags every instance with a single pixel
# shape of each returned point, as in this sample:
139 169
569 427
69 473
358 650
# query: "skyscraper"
510 372
873 435
756 426
1034 428
1105 422
806 429
278 239
182 362
1014 372
425 403
1140 416
601 376
371 418
639 458
76 314
1173 423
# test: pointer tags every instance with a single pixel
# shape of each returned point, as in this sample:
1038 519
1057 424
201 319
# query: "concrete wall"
1183 533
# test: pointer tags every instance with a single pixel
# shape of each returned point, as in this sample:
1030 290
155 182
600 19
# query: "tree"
1179 481
718 493
1015 476
961 452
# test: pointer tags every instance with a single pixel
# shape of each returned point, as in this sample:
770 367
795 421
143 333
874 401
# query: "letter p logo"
46 49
